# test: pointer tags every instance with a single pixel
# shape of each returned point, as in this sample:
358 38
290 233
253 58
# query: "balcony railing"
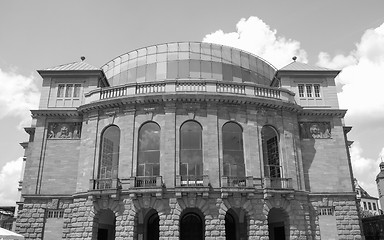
241 182
104 183
192 181
189 85
278 183
148 182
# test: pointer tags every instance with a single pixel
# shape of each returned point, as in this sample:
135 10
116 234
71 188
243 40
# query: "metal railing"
148 181
236 181
278 183
104 183
192 181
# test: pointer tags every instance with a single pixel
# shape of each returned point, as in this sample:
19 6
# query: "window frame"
139 152
309 90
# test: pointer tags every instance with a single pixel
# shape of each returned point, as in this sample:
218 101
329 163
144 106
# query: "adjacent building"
188 140
368 204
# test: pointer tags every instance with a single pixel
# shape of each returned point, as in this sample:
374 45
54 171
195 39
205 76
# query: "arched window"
191 154
233 155
109 157
270 144
148 160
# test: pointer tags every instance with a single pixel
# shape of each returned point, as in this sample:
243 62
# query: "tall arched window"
148 160
270 144
191 154
233 155
109 157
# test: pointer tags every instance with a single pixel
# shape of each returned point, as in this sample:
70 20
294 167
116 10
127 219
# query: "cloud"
9 177
361 78
18 94
256 37
365 169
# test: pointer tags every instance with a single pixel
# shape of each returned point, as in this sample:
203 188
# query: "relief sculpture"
64 130
315 130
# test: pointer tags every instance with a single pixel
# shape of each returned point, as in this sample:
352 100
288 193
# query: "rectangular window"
317 90
76 90
308 88
365 205
369 206
301 90
60 90
55 214
374 206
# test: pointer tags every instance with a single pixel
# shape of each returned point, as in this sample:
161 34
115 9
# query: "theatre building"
188 140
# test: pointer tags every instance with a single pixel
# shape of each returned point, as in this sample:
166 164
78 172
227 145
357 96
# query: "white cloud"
256 37
18 94
362 77
9 178
365 169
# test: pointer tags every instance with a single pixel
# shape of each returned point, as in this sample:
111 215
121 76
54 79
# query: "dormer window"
309 90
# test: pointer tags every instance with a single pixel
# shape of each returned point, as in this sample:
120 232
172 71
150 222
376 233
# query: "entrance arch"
278 224
152 225
106 225
236 224
192 225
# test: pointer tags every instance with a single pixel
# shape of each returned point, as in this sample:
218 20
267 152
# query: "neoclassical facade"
188 140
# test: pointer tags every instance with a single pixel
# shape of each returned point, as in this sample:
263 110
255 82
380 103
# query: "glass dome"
188 60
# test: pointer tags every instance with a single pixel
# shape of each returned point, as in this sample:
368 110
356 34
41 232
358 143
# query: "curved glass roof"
188 60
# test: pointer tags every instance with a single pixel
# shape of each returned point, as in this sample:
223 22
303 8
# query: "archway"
152 225
191 226
106 225
278 224
236 224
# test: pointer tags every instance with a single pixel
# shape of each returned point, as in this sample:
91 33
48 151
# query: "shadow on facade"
278 224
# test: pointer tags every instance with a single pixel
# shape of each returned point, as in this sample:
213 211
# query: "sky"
344 34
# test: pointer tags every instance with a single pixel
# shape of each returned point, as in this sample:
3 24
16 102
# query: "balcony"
148 182
277 183
183 86
192 181
241 182
105 186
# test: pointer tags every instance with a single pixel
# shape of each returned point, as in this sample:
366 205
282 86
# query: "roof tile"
298 66
75 66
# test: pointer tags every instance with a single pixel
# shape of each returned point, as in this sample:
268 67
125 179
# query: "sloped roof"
364 194
298 66
75 66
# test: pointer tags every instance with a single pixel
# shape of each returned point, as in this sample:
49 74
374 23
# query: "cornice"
55 113
323 112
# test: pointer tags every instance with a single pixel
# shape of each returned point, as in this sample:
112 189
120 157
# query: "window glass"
227 72
151 58
124 66
124 77
172 69
141 52
141 73
195 69
184 69
149 150
237 74
161 57
132 75
226 54
308 88
254 77
236 57
245 75
68 90
216 51
374 206
206 69
132 63
301 90
109 157
191 155
252 63
369 206
217 71
124 58
233 156
259 66
173 47
162 48
271 157
317 90
60 90
141 60
206 51
161 70
172 56
195 56
151 72
151 50
195 47
76 91
244 58
184 47
183 55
